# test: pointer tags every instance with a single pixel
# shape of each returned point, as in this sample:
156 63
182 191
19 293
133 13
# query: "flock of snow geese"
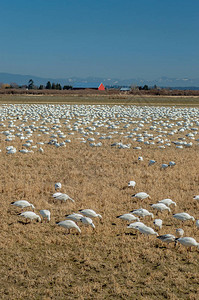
86 217
92 125
162 205
124 126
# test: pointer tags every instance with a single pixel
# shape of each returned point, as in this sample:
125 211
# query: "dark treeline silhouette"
55 86
32 86
14 88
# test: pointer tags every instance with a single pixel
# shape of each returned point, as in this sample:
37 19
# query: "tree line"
49 86
32 86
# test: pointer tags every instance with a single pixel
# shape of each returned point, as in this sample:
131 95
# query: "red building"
101 87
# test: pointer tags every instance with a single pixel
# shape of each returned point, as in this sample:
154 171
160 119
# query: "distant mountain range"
95 81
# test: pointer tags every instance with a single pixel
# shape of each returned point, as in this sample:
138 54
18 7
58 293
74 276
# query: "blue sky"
108 38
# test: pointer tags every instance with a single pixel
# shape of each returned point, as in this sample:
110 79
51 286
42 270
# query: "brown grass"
39 261
96 97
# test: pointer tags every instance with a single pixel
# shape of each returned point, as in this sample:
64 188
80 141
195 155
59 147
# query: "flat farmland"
100 98
93 151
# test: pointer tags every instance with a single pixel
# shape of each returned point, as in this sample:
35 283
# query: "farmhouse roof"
89 86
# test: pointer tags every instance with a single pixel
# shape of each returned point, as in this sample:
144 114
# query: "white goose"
62 197
164 166
22 204
167 238
74 217
30 215
172 163
167 202
132 183
146 230
87 221
45 214
128 217
58 186
68 224
90 213
142 212
188 242
158 223
183 216
152 162
41 150
160 207
135 225
179 232
141 195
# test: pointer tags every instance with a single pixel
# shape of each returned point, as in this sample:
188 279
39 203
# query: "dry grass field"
101 98
42 261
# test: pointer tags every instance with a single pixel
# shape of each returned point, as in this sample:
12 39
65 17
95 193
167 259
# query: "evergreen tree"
145 87
58 86
48 86
53 86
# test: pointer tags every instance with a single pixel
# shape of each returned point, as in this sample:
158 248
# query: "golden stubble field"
41 261
101 98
